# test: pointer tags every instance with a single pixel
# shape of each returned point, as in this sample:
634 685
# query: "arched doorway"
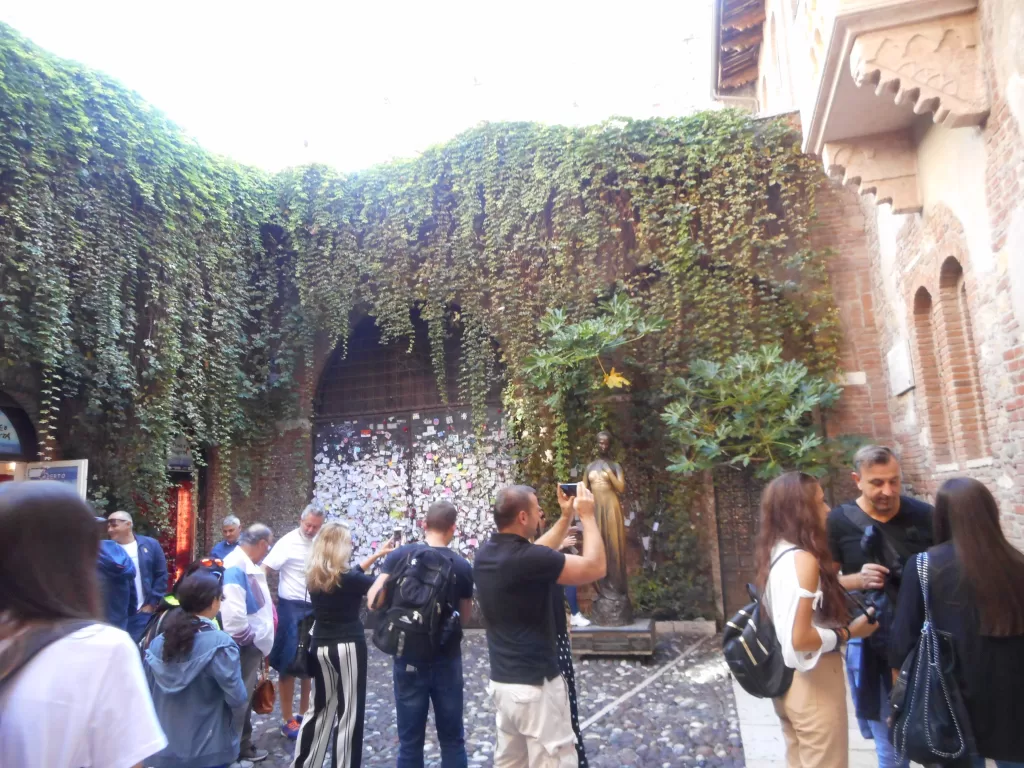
17 438
386 446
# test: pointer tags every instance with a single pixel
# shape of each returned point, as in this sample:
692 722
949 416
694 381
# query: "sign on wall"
74 473
180 456
901 371
9 442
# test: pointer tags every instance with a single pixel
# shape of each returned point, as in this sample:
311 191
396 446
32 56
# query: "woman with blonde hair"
337 653
808 607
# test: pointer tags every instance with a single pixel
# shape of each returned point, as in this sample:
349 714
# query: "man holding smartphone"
517 588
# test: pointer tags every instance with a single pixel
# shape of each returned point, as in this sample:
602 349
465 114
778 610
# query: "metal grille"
381 379
737 501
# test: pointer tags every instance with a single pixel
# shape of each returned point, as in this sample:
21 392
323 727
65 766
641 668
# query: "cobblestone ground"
687 717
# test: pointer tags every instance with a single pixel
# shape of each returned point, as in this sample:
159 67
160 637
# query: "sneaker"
579 620
291 729
252 755
241 764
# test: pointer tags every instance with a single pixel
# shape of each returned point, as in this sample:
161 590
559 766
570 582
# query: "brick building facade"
918 106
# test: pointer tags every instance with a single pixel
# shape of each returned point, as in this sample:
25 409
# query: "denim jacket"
200 701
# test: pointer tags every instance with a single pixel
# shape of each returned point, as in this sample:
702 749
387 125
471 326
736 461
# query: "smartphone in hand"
396 537
569 489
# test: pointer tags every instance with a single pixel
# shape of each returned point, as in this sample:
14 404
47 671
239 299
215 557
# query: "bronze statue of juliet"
607 482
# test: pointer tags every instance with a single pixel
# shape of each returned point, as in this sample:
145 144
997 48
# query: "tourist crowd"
101 665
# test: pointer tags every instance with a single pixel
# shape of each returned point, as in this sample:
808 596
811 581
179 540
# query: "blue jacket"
153 564
200 702
117 583
222 549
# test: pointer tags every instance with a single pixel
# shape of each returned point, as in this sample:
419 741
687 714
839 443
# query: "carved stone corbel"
885 164
935 65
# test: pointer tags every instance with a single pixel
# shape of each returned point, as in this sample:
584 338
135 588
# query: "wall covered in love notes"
382 473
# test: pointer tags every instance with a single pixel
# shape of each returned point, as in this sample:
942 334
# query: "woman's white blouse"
782 597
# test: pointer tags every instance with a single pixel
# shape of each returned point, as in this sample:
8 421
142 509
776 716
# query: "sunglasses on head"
210 562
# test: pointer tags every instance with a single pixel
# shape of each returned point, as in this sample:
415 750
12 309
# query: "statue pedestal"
636 639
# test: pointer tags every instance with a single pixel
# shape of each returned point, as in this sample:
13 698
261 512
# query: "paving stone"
687 717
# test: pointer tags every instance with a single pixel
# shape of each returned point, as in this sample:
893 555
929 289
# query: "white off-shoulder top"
782 596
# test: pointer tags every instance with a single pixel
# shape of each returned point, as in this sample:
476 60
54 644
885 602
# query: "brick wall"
965 413
959 418
842 227
282 476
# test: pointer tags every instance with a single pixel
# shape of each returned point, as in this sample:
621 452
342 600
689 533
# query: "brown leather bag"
263 696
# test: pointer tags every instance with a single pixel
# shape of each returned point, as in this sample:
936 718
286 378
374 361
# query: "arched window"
959 362
929 382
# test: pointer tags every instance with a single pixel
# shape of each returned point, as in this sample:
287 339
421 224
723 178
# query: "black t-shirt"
336 613
912 527
463 578
516 582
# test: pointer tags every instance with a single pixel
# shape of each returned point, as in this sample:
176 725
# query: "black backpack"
418 618
752 650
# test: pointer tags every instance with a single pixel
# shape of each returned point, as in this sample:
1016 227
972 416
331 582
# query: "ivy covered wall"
150 289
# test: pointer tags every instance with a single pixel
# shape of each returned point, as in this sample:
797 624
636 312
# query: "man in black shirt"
516 586
439 680
902 527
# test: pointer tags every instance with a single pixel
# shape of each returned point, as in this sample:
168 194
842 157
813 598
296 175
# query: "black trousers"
339 705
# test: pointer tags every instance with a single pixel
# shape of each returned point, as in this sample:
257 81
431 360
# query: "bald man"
150 569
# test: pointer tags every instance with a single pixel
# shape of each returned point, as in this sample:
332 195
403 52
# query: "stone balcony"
874 70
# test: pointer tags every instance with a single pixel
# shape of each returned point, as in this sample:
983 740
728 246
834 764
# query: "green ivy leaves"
151 290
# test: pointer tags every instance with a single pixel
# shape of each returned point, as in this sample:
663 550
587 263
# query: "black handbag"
299 666
929 720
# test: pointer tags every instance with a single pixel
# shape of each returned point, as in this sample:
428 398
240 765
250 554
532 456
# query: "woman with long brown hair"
72 689
976 594
798 581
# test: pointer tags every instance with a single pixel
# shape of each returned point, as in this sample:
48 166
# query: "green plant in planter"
755 409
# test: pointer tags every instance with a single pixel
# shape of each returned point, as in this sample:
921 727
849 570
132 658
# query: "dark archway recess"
22 428
376 378
386 444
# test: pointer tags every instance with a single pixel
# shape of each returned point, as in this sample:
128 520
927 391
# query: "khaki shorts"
534 725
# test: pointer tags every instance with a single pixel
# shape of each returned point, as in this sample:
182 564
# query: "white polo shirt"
288 557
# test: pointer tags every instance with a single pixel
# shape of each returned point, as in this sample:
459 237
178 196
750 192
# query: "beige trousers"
813 715
534 725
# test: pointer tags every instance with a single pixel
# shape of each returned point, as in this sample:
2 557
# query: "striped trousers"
338 705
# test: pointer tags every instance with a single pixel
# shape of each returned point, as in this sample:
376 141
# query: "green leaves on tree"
754 409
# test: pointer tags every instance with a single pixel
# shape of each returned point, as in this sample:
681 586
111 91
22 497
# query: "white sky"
354 84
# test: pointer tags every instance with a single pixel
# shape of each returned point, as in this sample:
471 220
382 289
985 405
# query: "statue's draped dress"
613 589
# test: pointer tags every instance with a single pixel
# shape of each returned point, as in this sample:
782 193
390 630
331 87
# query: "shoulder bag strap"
922 576
862 520
784 552
19 649
767 579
